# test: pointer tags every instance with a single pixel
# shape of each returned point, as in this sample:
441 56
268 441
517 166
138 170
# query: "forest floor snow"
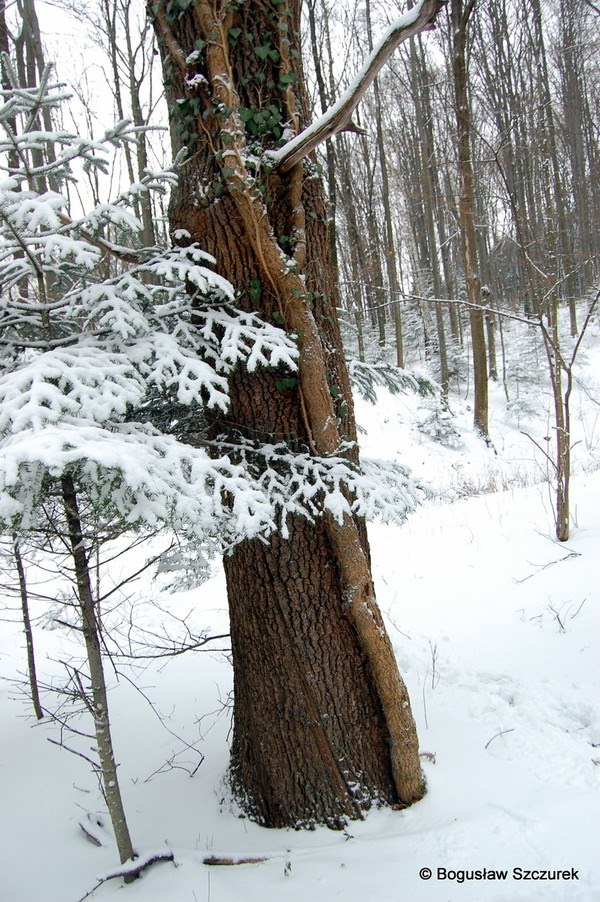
496 629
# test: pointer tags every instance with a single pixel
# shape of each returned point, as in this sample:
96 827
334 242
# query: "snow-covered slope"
496 630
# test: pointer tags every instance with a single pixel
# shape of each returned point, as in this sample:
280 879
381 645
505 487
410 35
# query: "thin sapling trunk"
33 683
91 634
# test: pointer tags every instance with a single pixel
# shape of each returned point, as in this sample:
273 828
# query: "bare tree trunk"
573 89
139 120
30 68
356 250
418 78
563 266
118 42
109 11
390 243
374 272
563 435
460 13
329 147
33 683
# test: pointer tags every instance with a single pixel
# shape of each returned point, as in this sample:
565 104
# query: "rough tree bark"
322 720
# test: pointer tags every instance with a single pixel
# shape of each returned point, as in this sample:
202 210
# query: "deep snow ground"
496 630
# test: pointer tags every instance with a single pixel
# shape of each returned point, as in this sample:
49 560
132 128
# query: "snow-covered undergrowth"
496 630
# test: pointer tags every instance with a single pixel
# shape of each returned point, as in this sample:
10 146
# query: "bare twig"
91 836
495 736
61 745
188 745
434 655
550 564
557 617
543 450
593 6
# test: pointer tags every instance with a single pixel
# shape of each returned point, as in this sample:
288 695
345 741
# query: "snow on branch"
338 117
86 341
86 348
131 469
130 868
366 377
229 337
301 484
58 385
149 479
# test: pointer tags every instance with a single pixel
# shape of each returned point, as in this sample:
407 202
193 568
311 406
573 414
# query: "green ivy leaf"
255 289
286 384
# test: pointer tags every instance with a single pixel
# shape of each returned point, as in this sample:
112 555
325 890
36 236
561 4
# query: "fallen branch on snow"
131 869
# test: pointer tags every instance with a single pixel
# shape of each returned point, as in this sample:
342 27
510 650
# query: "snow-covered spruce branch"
117 349
27 104
150 479
157 181
301 484
90 152
81 355
366 377
420 18
144 477
149 305
146 311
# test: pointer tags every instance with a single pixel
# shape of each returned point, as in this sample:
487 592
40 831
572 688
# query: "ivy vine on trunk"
322 720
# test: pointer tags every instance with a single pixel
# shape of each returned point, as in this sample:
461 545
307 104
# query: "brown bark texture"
322 721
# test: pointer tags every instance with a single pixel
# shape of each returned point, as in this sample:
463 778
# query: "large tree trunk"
322 723
309 741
